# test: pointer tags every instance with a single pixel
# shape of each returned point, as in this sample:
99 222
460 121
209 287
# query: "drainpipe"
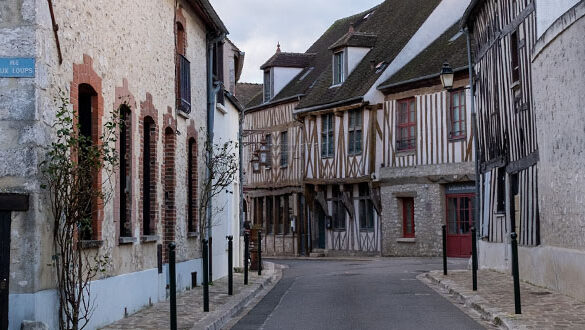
212 89
476 205
240 170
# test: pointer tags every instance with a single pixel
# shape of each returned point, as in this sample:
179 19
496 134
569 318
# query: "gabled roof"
245 92
451 47
288 60
394 22
355 39
206 11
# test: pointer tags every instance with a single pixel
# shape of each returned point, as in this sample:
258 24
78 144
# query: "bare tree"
222 167
70 175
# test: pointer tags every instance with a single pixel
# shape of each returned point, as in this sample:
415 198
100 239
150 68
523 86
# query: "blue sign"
15 67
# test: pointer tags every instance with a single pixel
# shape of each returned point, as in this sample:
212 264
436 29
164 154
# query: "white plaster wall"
447 13
548 11
112 296
354 57
282 76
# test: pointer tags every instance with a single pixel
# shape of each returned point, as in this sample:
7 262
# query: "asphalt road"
380 293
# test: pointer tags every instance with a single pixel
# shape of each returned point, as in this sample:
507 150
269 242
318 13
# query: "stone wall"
425 185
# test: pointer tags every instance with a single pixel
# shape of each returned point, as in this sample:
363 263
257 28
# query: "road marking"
408 279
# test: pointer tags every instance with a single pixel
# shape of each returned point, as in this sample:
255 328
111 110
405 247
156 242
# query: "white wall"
354 57
447 13
548 11
282 76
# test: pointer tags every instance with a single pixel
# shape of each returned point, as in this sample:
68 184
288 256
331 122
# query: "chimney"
278 47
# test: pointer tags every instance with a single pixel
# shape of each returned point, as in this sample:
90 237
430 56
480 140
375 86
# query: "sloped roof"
450 47
208 13
288 60
246 92
394 22
355 39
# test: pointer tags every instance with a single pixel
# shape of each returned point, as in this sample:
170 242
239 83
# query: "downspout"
475 137
212 90
241 171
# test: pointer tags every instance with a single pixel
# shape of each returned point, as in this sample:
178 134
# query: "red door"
459 223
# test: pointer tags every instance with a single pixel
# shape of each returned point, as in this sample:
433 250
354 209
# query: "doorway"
320 228
4 266
459 223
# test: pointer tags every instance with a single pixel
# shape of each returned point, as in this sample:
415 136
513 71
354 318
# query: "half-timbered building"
504 34
426 154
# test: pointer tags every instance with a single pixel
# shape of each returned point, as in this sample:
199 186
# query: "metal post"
516 274
444 250
210 258
259 253
205 277
230 265
246 256
173 286
474 258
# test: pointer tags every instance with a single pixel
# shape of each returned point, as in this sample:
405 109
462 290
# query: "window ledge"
148 238
221 108
457 139
515 84
90 244
406 240
126 240
406 151
183 114
192 234
336 85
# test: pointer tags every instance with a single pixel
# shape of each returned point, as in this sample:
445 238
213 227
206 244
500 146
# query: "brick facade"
149 113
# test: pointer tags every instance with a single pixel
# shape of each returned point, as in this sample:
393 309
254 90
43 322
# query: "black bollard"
173 286
230 265
259 253
444 250
474 258
516 274
246 256
205 277
210 258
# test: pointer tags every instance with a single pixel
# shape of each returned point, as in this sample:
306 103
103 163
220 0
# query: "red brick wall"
169 182
194 211
147 110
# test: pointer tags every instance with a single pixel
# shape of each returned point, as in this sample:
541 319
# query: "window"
269 215
327 135
338 209
407 216
192 186
279 214
218 70
501 191
259 217
287 212
267 86
338 68
183 73
514 57
406 130
125 183
366 208
87 102
457 113
459 214
355 132
284 149
148 178
269 148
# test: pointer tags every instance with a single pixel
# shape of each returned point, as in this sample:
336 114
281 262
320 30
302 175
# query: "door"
459 223
4 267
321 227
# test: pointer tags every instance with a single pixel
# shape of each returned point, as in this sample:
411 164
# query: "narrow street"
364 294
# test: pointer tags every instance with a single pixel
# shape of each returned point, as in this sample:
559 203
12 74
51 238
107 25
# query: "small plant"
70 176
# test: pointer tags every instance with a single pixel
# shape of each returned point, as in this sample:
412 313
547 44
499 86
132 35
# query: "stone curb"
323 258
215 320
492 314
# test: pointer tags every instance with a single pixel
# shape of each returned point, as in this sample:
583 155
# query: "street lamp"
255 163
263 153
447 76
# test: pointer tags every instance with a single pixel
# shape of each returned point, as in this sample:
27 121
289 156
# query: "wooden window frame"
462 111
192 226
267 85
327 135
405 219
457 210
339 214
366 208
182 71
284 149
514 58
408 142
355 129
338 68
125 168
268 141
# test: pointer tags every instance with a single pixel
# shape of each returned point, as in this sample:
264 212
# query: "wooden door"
4 267
459 223
321 227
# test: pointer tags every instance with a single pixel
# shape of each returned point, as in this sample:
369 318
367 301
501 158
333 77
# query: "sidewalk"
190 313
494 300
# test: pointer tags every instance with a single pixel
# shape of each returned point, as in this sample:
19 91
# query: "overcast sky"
256 26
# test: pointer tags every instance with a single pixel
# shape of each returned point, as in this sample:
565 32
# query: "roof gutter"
431 76
468 12
328 105
296 97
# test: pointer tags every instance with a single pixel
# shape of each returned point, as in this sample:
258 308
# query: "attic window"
306 73
381 66
267 86
368 15
338 68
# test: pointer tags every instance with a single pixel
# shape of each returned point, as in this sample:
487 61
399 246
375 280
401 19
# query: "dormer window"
338 68
267 86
